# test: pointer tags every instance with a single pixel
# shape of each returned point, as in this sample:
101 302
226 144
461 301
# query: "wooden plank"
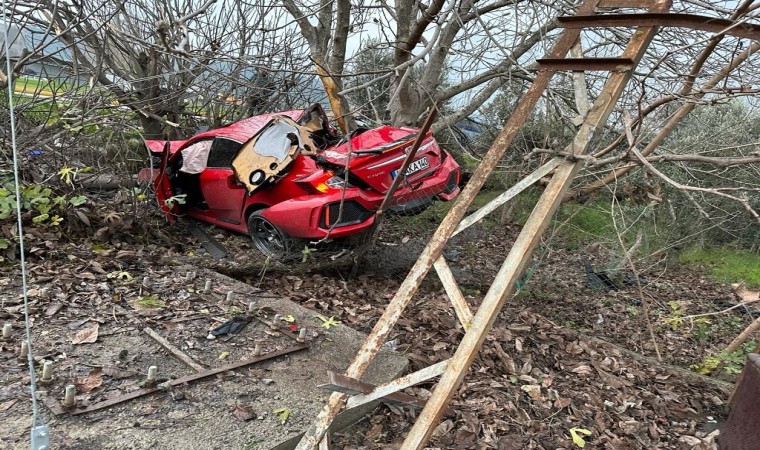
179 354
675 20
643 4
396 385
529 238
461 308
585 64
346 385
507 195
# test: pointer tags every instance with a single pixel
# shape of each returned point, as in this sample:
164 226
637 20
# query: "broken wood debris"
352 386
59 409
177 353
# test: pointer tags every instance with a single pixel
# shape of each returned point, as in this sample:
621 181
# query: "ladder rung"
691 21
583 64
625 3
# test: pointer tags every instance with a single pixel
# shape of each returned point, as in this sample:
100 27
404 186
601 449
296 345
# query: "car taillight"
325 182
320 183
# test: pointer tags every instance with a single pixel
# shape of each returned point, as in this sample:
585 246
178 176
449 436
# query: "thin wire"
30 357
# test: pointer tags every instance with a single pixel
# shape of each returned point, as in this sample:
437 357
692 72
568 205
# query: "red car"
282 178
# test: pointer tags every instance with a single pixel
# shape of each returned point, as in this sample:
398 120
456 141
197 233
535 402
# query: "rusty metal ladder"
453 370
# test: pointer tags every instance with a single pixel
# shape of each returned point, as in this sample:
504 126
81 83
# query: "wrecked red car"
282 178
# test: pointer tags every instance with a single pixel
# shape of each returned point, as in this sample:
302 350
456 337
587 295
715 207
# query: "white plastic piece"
207 288
230 296
7 331
257 349
152 375
302 335
251 307
24 353
47 371
146 282
69 397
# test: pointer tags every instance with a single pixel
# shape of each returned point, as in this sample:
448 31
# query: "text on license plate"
414 167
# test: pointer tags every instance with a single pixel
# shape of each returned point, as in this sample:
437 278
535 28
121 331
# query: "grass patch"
726 265
584 223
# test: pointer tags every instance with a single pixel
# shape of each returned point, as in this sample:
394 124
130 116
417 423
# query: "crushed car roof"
240 131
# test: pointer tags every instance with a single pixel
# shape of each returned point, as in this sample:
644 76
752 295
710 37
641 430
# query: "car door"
162 185
224 195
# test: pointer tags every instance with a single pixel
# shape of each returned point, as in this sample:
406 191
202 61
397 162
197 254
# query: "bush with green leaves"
39 205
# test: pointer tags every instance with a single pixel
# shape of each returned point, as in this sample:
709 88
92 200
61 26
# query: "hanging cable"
39 430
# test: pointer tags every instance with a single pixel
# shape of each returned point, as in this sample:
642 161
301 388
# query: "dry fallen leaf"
582 370
745 294
54 308
87 335
90 382
6 405
243 412
533 390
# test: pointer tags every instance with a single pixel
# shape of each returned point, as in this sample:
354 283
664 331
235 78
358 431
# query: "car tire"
269 239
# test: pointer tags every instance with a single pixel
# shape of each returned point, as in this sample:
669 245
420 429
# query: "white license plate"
415 166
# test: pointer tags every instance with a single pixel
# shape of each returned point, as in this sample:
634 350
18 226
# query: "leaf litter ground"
541 373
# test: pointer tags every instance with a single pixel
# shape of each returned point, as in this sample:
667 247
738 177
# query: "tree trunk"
152 128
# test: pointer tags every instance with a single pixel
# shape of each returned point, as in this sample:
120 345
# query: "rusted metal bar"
438 241
461 308
352 386
520 254
179 354
678 20
508 195
742 429
57 409
396 385
584 64
644 4
401 175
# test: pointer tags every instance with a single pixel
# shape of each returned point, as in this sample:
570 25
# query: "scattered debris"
243 412
87 335
232 326
283 414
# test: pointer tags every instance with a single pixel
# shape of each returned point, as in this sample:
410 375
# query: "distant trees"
167 60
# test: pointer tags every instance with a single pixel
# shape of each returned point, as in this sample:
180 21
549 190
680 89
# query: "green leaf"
328 323
4 244
283 414
223 355
289 318
41 218
575 434
56 220
78 200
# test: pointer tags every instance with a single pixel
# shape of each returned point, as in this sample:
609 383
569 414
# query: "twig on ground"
743 336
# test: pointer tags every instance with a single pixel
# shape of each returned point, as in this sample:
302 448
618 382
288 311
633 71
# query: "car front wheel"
269 239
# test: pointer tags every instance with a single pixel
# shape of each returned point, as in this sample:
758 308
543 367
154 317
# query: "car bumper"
320 216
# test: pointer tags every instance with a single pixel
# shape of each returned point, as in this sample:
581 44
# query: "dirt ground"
561 357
